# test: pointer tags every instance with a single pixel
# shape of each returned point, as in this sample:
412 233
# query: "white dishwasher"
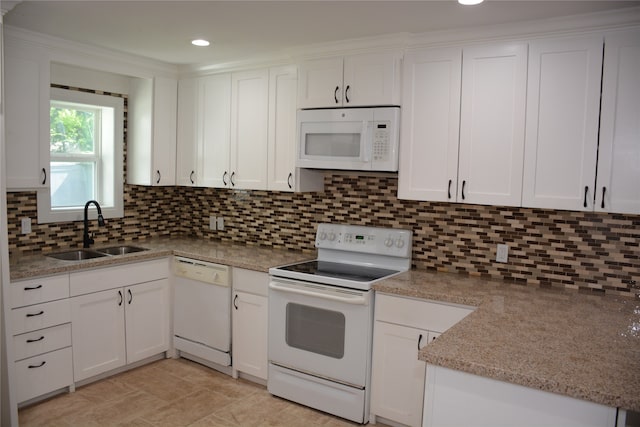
202 311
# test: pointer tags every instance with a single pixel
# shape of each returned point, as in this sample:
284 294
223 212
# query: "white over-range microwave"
349 138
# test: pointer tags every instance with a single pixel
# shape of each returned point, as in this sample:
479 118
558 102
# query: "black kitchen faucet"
86 240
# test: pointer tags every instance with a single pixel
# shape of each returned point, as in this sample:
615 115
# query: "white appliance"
349 138
321 318
202 311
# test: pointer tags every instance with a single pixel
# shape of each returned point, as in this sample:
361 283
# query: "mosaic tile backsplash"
592 252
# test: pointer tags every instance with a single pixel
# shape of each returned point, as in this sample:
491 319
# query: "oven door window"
316 330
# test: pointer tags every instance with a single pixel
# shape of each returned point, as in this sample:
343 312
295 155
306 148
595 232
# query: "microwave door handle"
366 146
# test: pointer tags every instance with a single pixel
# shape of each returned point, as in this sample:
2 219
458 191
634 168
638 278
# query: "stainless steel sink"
77 255
120 250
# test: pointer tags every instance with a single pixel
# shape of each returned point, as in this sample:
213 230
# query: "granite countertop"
583 346
239 255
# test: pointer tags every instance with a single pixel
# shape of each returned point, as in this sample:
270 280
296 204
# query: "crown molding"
92 57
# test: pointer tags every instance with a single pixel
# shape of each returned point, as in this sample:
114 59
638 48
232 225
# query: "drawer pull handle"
32 288
419 340
40 313
36 340
37 366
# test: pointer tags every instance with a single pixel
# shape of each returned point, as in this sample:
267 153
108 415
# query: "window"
85 149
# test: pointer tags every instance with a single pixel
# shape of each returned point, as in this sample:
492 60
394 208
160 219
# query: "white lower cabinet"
454 398
123 324
41 332
119 326
402 327
250 323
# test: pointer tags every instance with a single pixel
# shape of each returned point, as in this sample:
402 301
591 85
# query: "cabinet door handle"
36 340
449 189
335 94
419 341
130 295
191 177
233 184
586 191
224 178
289 180
158 175
346 93
37 366
604 191
235 304
40 313
121 298
32 288
44 172
463 184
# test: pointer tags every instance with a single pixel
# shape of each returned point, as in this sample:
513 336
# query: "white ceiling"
240 30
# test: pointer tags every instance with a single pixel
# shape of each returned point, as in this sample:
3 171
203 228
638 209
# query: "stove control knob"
332 237
322 235
388 242
399 243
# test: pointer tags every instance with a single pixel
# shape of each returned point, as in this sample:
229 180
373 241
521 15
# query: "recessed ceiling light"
200 42
470 2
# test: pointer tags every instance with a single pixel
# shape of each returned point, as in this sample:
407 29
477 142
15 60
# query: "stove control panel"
373 240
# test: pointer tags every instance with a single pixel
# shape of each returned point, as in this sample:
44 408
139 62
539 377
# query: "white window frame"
109 168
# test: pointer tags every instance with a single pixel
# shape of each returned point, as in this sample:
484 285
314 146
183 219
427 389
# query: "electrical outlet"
220 223
26 225
502 253
212 222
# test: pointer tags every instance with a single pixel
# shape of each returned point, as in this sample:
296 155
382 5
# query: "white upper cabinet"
618 176
463 125
563 105
282 138
26 103
351 81
204 120
494 80
428 168
151 128
249 118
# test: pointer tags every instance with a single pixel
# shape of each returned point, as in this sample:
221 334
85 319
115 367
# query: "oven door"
320 330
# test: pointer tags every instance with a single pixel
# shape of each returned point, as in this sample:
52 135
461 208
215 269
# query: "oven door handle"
348 299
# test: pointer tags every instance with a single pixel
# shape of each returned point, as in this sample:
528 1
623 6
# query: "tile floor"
173 392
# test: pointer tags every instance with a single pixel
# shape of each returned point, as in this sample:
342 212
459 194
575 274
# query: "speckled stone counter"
234 254
583 346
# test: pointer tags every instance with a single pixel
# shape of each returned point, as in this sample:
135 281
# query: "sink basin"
77 255
120 250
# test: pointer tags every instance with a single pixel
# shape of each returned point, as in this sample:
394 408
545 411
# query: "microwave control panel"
381 141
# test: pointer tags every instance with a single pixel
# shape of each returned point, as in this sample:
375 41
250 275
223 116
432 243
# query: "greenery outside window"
86 150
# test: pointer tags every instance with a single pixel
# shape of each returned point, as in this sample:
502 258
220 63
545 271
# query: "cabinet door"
282 139
492 124
249 325
619 148
562 123
214 154
320 83
97 333
26 103
187 138
371 79
430 125
249 115
147 319
397 381
165 105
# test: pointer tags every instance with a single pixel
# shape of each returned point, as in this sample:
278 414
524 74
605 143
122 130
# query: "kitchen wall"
593 252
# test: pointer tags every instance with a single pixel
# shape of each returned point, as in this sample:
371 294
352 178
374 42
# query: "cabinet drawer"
42 341
43 289
40 316
253 282
86 282
43 374
421 314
